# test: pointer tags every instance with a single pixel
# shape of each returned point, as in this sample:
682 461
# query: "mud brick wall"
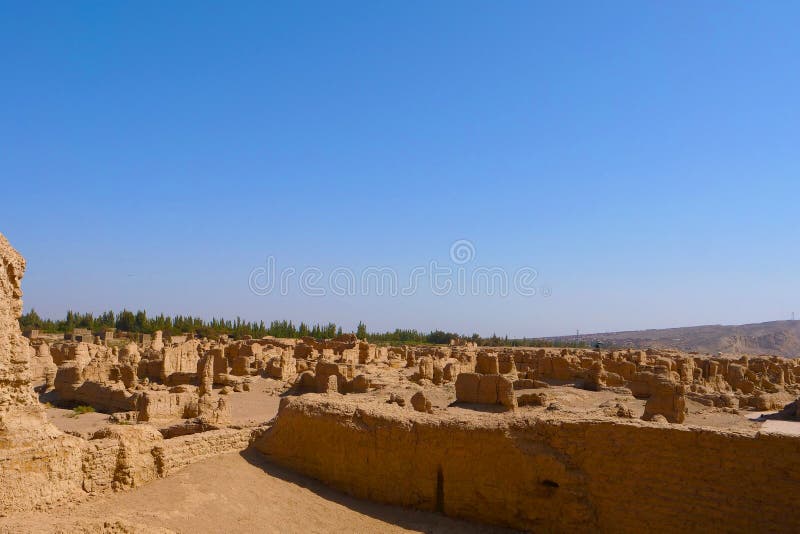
544 474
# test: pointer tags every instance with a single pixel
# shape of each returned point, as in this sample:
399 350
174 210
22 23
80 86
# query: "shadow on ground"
407 518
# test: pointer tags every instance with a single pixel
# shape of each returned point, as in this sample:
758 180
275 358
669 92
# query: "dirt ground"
237 492
248 408
572 400
260 404
771 422
69 421
242 492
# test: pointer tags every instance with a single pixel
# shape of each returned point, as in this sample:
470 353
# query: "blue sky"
642 157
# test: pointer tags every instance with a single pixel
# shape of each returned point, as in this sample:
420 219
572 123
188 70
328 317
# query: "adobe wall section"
137 454
38 464
184 450
42 466
543 473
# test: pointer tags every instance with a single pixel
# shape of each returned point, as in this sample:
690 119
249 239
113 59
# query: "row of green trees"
438 337
412 337
140 322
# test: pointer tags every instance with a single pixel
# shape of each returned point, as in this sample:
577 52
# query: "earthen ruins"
538 439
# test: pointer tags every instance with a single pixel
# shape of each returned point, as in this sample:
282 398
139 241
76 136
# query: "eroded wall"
38 464
134 455
544 474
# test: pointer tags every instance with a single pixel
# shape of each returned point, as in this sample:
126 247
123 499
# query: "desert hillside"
775 337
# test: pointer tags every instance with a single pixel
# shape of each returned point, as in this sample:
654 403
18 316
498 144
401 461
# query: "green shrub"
80 410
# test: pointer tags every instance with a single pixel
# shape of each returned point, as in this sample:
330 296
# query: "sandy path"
771 422
240 493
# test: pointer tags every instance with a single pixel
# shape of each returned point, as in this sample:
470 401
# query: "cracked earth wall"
546 474
38 463
42 466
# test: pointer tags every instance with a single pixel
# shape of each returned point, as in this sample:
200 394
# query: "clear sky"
642 157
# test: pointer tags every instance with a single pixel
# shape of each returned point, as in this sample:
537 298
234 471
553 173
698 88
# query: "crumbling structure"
40 465
533 439
545 472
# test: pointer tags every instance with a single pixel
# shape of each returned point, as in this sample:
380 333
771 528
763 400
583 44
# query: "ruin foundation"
538 473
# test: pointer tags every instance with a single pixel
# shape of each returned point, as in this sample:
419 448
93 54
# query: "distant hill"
781 338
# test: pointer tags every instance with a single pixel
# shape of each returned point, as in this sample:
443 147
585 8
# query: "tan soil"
69 421
239 493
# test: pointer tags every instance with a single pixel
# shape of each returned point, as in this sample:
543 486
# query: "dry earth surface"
238 492
190 434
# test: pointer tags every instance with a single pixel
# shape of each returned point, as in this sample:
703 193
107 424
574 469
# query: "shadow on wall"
404 517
